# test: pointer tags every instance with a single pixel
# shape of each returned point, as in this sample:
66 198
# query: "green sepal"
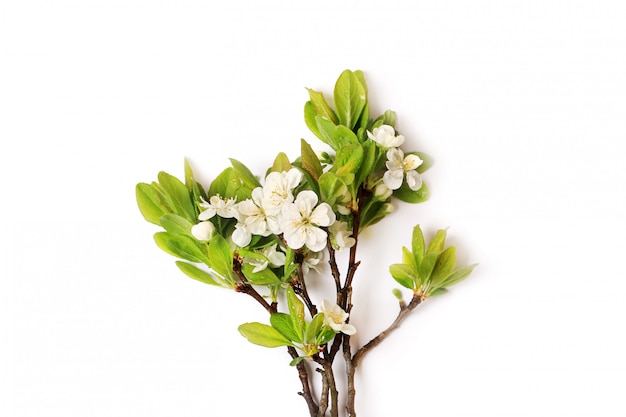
309 160
198 274
263 335
245 175
407 195
181 246
350 98
283 323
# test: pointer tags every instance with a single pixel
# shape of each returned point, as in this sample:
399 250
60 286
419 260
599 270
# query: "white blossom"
382 192
300 222
273 258
203 231
256 220
335 318
386 137
312 261
278 190
399 166
341 235
241 235
217 205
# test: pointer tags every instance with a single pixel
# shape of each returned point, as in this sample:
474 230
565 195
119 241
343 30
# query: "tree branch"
404 311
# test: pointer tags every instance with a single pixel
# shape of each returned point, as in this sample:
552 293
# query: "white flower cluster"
398 165
273 209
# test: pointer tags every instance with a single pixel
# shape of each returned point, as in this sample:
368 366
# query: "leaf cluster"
291 329
429 270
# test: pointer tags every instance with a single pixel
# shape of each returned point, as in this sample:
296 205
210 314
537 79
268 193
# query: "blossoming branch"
262 236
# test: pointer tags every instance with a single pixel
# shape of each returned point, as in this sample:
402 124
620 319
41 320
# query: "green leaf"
193 186
263 335
348 161
245 175
228 185
176 224
181 246
220 256
350 98
404 274
281 163
314 328
150 203
196 273
320 106
296 309
263 277
368 163
446 262
296 360
331 188
342 136
407 195
310 161
418 245
437 291
438 243
179 194
310 118
408 258
458 275
425 268
283 323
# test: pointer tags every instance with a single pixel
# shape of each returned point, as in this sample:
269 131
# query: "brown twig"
404 311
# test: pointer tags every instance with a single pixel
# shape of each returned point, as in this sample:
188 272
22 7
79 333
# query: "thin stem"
332 386
303 374
404 311
324 396
300 288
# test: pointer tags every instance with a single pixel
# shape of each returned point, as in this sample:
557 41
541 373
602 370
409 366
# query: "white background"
521 103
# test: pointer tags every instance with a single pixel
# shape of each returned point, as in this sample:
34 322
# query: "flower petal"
323 215
393 179
414 180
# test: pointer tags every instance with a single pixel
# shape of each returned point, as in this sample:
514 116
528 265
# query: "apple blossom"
335 318
217 205
386 137
300 222
398 166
